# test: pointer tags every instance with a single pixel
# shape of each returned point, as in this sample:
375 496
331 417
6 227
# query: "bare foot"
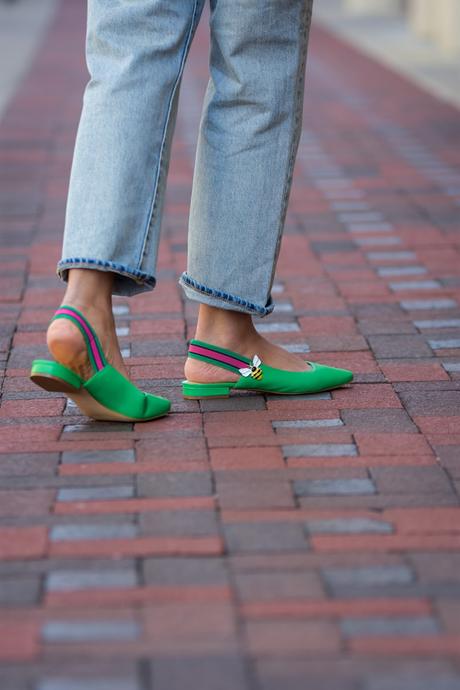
235 331
89 291
67 345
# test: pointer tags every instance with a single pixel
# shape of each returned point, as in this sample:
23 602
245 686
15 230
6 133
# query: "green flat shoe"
257 376
107 395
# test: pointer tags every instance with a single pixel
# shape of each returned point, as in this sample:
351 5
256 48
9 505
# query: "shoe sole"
259 390
85 402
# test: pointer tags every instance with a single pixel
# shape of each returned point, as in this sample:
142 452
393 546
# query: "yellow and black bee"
254 371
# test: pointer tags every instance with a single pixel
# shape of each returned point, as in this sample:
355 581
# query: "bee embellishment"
254 371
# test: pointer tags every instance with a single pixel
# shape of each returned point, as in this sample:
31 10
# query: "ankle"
97 306
89 289
224 327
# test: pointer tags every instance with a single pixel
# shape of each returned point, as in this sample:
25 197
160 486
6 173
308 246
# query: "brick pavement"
248 543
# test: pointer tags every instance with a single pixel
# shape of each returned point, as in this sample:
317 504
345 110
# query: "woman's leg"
135 53
248 140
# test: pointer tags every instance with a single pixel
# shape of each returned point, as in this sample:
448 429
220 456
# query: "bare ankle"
224 327
89 289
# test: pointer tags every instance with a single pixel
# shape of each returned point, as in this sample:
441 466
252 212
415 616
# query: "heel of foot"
67 346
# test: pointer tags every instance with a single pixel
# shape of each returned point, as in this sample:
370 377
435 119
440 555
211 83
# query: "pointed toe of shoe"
344 376
331 377
156 406
339 377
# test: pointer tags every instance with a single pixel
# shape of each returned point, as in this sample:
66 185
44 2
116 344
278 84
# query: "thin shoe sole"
85 402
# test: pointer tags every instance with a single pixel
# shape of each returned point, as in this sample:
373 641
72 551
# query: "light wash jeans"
247 144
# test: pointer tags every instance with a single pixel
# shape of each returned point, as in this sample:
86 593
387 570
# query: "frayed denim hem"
127 281
217 298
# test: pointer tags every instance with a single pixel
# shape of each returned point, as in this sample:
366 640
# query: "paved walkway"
251 543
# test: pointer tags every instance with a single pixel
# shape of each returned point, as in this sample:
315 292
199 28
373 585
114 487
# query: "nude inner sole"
87 404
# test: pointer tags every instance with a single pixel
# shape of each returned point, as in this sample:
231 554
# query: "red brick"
118 468
184 422
448 611
25 503
327 325
295 515
13 373
364 461
191 626
137 595
442 645
133 505
19 384
314 436
166 300
20 435
19 641
283 405
140 546
410 371
336 608
248 423
292 637
22 338
236 417
174 370
425 521
363 395
369 290
438 425
172 446
386 542
238 442
255 494
36 316
439 440
22 542
246 458
392 444
157 327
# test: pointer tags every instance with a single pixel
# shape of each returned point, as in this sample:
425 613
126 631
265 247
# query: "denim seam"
120 268
304 25
164 134
199 287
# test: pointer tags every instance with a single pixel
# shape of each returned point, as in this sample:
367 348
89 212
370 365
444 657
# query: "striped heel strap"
227 359
95 351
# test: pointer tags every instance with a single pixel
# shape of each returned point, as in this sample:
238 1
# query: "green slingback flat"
107 394
257 376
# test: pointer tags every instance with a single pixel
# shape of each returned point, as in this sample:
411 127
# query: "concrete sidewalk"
389 39
23 25
253 543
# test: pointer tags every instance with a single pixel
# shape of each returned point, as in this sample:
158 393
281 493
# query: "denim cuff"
127 281
218 298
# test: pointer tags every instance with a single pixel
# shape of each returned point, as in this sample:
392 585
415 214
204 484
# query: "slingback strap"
227 359
95 351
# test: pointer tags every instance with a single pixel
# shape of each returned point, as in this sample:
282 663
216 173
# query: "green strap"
93 345
219 356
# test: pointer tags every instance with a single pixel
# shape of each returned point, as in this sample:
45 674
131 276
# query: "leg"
248 140
247 143
135 53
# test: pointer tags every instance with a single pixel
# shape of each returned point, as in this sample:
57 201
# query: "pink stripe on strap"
92 342
207 352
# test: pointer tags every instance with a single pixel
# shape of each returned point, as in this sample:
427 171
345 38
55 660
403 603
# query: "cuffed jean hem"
217 298
127 281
